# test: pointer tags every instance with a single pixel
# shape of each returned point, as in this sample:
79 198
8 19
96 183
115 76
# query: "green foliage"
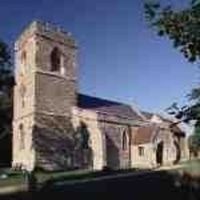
6 84
194 143
195 139
189 112
182 27
197 131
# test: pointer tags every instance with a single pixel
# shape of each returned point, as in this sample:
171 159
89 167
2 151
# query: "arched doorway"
112 154
159 153
178 152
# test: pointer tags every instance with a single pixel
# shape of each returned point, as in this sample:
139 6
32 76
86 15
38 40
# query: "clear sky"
120 58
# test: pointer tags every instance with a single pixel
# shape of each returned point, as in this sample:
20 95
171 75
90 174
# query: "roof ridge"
108 106
104 99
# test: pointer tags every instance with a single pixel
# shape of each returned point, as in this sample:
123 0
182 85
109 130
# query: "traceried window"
125 141
22 135
55 60
141 151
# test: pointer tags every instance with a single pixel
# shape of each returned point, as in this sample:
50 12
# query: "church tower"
45 92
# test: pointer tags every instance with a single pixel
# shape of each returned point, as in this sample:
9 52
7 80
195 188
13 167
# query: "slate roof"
108 107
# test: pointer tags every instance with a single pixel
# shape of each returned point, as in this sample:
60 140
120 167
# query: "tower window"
55 60
22 135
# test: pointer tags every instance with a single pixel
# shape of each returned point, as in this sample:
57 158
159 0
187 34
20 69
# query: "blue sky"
120 58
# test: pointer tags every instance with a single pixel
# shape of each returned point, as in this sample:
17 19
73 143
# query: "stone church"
57 128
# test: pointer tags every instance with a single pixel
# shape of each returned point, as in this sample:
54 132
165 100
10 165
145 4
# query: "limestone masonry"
57 128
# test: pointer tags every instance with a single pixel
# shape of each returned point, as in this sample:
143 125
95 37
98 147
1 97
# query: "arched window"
55 60
82 150
23 57
22 91
125 141
82 136
22 135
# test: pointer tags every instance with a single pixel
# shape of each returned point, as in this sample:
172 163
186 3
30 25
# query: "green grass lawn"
192 167
17 178
46 176
77 175
14 178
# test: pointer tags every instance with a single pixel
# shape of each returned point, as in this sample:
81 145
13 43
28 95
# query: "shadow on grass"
87 175
152 185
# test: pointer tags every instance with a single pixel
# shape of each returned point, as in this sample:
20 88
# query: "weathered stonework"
54 130
96 137
39 91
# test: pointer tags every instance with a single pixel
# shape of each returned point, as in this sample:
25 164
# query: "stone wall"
56 91
23 156
53 142
89 118
53 94
106 139
41 92
150 150
148 160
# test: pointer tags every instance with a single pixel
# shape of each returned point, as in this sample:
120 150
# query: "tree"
193 142
6 84
182 27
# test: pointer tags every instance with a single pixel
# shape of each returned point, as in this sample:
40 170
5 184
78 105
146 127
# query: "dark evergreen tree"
6 85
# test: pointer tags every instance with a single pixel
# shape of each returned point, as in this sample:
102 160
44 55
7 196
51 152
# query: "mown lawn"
18 178
81 175
192 167
13 178
161 184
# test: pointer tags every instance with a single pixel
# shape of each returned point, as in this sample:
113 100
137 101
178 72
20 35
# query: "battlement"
46 30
